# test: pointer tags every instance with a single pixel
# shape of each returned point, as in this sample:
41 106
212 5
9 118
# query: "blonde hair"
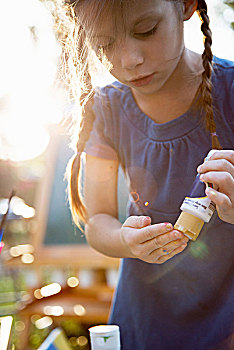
76 72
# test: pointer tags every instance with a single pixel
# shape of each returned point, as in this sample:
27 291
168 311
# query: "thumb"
137 221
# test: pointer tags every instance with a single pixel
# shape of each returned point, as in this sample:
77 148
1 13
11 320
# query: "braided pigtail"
206 85
75 76
77 206
73 169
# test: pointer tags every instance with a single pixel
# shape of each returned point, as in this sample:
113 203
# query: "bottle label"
202 207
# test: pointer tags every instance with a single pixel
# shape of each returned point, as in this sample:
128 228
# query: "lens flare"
134 197
28 101
199 250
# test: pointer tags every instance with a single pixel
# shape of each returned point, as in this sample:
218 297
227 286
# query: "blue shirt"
187 302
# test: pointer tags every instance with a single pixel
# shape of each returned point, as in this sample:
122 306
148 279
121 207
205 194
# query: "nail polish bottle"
197 208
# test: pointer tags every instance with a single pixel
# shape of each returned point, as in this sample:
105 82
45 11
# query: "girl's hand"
219 171
151 243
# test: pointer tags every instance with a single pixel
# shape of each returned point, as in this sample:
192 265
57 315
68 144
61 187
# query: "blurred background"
52 285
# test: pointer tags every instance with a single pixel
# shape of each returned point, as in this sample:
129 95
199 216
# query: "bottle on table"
106 337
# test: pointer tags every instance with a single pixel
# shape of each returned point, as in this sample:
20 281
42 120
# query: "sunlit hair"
76 31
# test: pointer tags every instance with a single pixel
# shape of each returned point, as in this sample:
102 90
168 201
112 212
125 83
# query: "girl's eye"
105 47
105 44
148 33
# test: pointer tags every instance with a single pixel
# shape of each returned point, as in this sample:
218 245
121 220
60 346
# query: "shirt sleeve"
100 143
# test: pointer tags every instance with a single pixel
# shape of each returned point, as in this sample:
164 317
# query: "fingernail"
178 234
144 221
199 168
212 192
168 225
147 218
201 177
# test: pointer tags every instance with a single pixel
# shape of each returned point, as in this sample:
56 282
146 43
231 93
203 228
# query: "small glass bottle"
106 337
197 208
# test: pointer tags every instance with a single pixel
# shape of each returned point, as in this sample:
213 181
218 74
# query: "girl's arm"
102 229
219 170
136 238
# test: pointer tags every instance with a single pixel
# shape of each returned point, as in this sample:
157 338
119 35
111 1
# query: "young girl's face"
145 50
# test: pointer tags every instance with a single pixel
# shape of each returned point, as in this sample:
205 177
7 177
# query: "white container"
106 337
197 208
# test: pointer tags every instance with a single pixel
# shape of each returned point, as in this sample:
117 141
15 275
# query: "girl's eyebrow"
100 37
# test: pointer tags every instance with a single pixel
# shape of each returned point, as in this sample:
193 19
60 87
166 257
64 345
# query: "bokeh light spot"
82 340
54 310
27 258
44 322
73 341
15 251
19 326
79 310
72 282
50 289
34 318
37 294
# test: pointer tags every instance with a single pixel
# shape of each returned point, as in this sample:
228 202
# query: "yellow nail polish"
169 226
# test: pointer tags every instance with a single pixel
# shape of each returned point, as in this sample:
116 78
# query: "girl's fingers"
222 165
224 205
147 232
152 243
220 199
224 154
137 221
223 180
165 257
174 245
159 234
172 242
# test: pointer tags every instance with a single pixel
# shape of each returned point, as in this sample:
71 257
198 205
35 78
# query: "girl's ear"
190 6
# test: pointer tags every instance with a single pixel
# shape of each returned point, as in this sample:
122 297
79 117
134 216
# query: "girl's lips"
142 81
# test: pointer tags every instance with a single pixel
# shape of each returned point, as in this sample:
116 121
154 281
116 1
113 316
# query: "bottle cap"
105 337
189 224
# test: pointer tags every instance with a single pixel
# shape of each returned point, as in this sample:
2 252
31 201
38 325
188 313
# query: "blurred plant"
37 336
230 3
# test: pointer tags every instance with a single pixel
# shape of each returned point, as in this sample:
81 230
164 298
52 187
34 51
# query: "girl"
158 121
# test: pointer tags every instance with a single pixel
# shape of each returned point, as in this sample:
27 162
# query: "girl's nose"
131 54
